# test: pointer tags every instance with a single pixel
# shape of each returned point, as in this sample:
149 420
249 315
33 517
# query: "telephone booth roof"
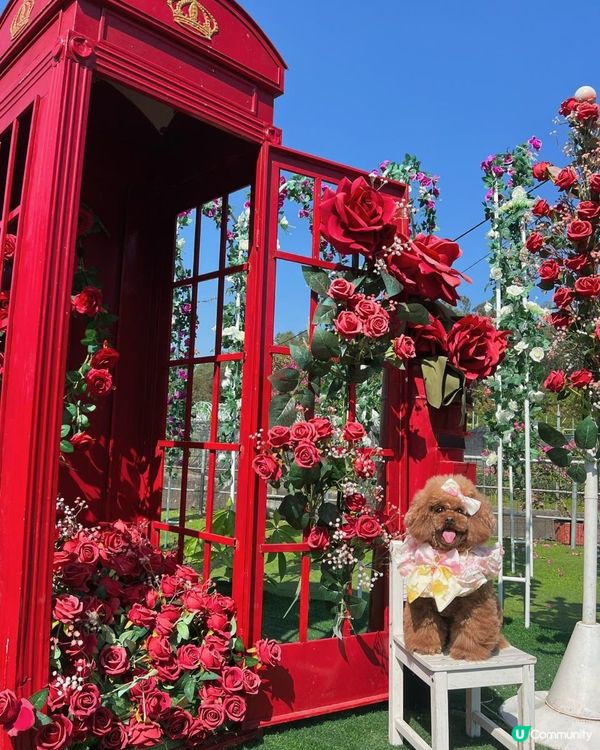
173 50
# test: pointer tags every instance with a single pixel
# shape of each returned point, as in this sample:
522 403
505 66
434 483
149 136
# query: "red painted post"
34 381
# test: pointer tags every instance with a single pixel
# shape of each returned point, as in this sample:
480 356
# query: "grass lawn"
556 607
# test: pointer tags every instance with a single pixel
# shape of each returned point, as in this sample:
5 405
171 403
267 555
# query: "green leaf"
205 676
577 473
328 513
183 632
66 447
65 430
300 355
452 385
298 476
392 285
325 311
549 435
586 434
316 279
306 398
285 380
42 719
433 374
189 687
281 565
325 345
38 700
559 457
355 606
282 410
293 509
413 312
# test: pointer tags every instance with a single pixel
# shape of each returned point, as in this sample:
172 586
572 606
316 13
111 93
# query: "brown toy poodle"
458 611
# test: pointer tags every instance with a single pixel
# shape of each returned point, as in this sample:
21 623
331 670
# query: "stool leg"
526 700
440 737
396 698
473 704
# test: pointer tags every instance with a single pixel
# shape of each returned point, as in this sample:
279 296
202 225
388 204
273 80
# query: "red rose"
594 182
569 105
579 231
87 552
540 170
318 538
378 325
341 290
235 708
566 178
588 210
268 652
323 427
251 682
114 660
195 599
580 378
102 721
82 441
55 735
157 704
23 721
8 251
476 347
563 297
279 436
210 658
219 623
105 358
348 324
303 431
597 331
75 575
98 383
88 301
587 111
84 702
232 679
576 262
4 302
423 266
166 619
534 242
404 347
143 733
116 739
541 208
348 528
141 616
355 502
560 319
353 431
9 707
211 716
356 218
168 670
267 467
365 307
85 221
588 286
368 527
430 338
306 454
555 381
67 608
188 656
187 573
177 723
159 648
549 271
364 466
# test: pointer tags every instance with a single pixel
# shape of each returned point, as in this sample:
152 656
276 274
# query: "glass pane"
168 541
197 489
4 152
193 553
206 320
227 469
294 232
210 236
202 402
327 251
171 493
368 404
221 567
292 303
176 403
181 322
281 608
230 402
238 227
184 245
234 313
20 158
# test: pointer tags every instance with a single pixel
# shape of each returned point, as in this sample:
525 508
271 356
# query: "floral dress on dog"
445 575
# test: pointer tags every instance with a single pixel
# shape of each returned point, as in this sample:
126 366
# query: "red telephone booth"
159 115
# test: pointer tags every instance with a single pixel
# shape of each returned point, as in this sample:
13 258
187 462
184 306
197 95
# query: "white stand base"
553 729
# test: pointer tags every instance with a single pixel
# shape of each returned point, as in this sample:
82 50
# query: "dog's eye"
461 511
438 508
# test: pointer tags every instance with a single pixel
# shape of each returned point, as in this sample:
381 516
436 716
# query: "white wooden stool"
442 673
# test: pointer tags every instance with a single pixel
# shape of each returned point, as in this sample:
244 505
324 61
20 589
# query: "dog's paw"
427 649
473 653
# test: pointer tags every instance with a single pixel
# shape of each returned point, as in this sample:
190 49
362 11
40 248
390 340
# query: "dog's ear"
417 519
481 524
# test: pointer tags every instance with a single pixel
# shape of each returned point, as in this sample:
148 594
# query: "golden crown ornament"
21 18
194 16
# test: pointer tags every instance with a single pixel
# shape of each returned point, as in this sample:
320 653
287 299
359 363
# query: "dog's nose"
449 522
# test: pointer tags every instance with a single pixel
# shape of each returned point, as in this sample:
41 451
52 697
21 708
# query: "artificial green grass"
556 607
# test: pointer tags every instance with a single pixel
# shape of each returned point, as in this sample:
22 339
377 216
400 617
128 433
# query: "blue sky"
447 81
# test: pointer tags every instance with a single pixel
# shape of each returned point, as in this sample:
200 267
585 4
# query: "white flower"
513 405
521 346
515 290
491 459
505 310
536 396
492 234
284 223
533 307
537 354
244 244
234 333
504 415
488 307
519 194
495 273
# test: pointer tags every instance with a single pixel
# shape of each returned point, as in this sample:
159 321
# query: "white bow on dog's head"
470 504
